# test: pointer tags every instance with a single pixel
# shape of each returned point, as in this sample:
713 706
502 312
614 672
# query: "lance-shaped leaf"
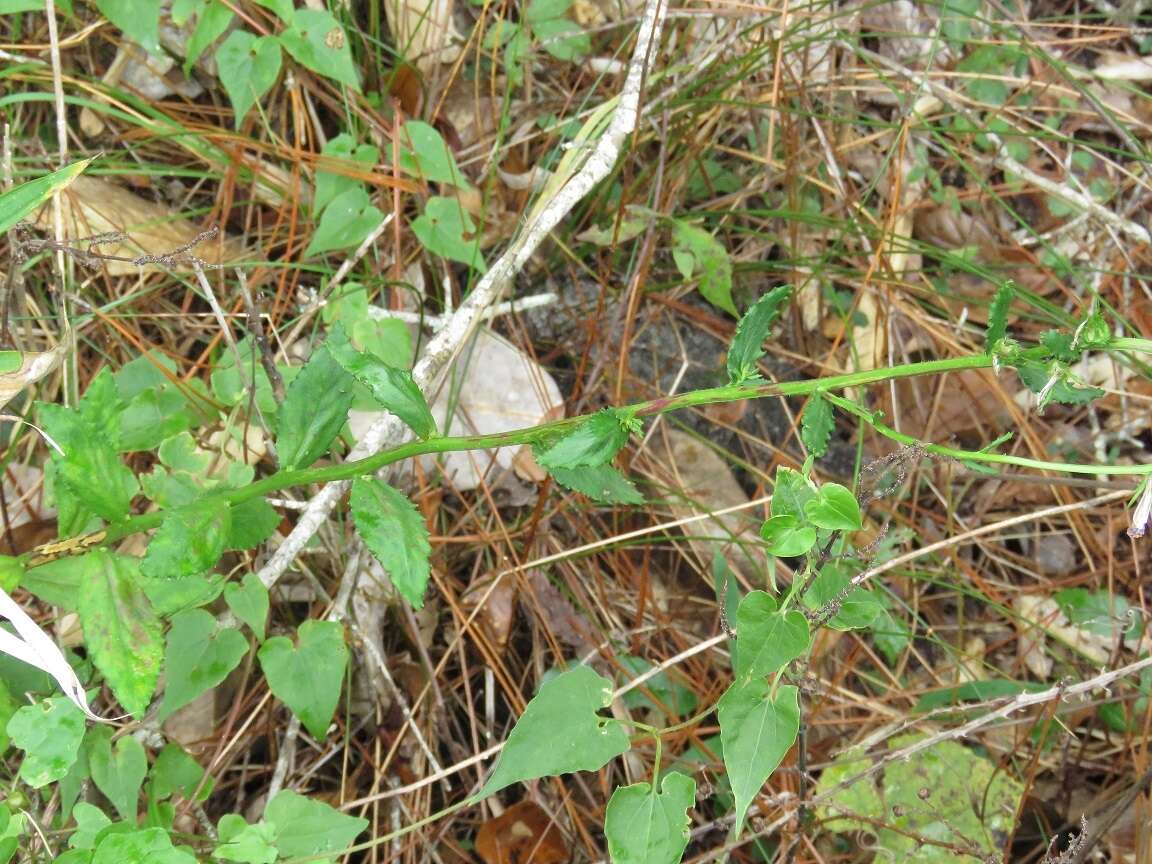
314 410
395 533
756 730
998 314
644 826
190 540
391 387
121 629
816 424
748 343
593 442
768 638
21 200
560 732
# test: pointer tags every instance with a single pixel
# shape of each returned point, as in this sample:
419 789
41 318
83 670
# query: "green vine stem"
651 408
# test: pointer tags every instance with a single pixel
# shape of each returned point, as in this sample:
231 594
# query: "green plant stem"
651 408
979 455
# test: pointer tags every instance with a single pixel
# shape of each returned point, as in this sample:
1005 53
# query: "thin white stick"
446 344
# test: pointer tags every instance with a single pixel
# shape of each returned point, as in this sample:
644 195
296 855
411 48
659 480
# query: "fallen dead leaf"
523 834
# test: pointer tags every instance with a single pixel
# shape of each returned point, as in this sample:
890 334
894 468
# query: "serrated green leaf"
248 67
200 654
709 260
1094 332
748 342
425 156
121 629
393 388
244 843
147 846
117 769
446 229
253 522
593 442
139 20
816 424
21 200
249 602
643 826
787 536
756 730
834 508
601 483
316 41
998 314
308 676
190 540
175 772
307 827
769 639
314 411
91 468
1038 377
394 532
1060 345
49 733
347 157
560 732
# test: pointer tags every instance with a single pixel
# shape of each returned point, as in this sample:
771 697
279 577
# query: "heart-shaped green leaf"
644 826
199 656
756 731
118 769
441 229
345 222
249 602
248 67
316 40
560 732
834 509
768 638
787 536
308 677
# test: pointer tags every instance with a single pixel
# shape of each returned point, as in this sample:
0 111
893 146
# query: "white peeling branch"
448 342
